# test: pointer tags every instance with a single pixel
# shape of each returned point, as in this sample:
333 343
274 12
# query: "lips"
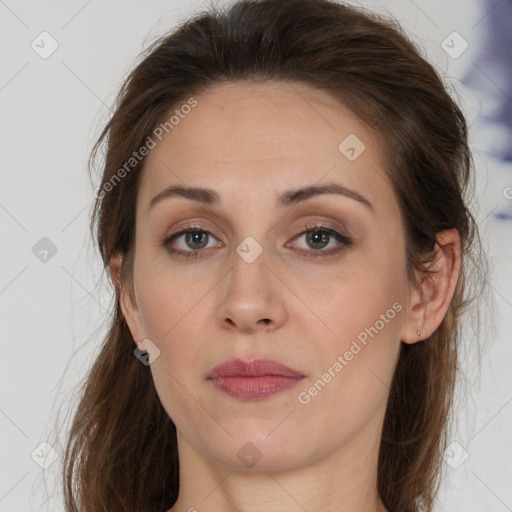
255 368
253 380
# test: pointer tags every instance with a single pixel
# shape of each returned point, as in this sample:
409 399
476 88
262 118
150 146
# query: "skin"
250 143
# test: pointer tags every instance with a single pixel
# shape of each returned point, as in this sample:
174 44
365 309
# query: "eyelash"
345 241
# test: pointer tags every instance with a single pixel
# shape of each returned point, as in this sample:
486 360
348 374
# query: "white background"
53 314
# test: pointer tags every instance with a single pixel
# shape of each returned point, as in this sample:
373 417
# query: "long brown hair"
121 452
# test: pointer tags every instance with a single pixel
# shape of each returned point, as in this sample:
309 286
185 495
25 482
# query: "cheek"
169 310
167 299
354 296
354 367
364 311
364 319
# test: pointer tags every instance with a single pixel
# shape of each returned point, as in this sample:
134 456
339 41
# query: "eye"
319 237
195 239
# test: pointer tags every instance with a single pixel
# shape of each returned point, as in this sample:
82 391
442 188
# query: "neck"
343 481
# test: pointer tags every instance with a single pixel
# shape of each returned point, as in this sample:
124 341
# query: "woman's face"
249 284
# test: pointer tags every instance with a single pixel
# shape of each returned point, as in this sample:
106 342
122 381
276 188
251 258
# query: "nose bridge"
251 293
250 267
251 254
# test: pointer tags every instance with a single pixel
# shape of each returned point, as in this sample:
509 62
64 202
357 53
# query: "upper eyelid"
307 226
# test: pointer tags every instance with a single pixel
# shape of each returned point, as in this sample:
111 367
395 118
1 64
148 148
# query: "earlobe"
430 301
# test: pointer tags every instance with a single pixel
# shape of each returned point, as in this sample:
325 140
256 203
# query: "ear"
115 269
127 300
429 302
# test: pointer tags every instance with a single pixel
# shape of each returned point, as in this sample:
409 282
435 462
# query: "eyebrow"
288 198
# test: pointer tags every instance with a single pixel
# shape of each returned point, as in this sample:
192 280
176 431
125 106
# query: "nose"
253 297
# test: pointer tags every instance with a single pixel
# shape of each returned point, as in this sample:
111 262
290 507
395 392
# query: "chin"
252 449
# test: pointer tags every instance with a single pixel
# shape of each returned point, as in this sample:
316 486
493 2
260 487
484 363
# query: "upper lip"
255 368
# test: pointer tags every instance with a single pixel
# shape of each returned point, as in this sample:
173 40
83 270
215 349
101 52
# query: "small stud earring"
418 333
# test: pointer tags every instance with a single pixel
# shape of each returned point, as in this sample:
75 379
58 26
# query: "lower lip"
254 388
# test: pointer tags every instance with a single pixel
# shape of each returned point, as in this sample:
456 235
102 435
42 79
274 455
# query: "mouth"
253 380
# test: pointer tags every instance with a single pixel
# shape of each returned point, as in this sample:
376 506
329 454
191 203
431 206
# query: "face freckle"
271 300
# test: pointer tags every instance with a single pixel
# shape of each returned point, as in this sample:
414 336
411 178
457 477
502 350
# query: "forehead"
252 140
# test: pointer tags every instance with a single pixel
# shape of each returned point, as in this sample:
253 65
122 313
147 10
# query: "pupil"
196 237
318 237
